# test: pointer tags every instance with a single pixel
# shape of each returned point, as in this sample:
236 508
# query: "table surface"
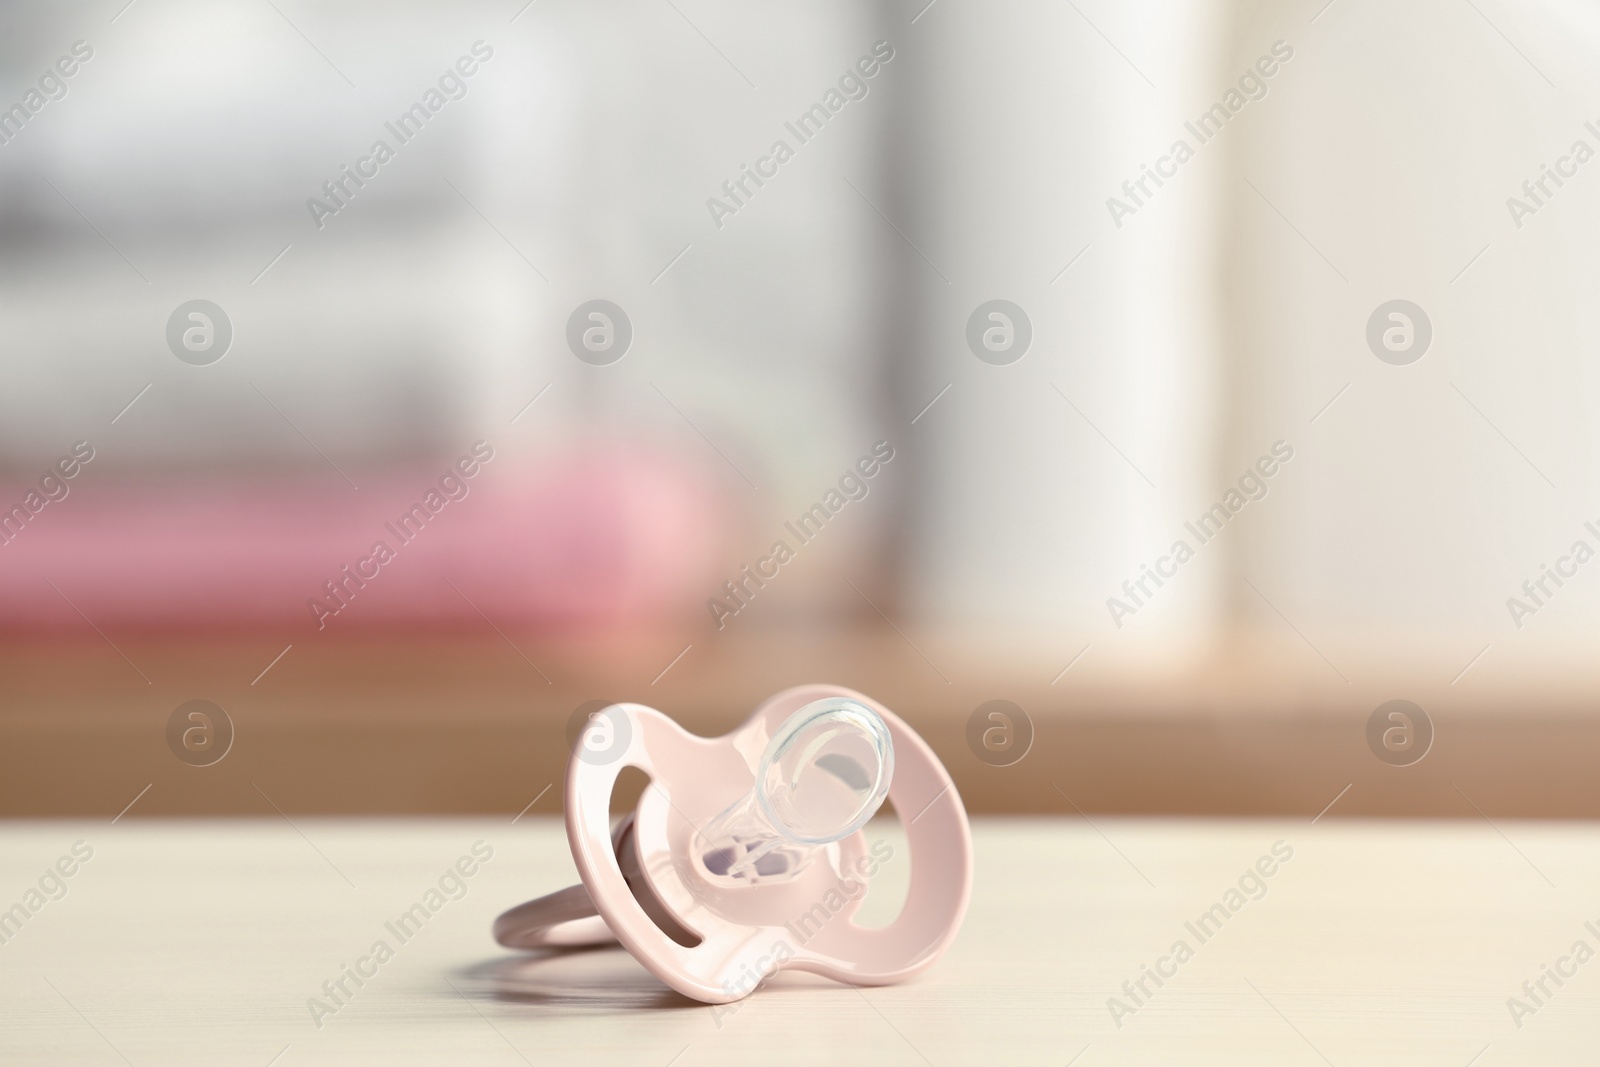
202 942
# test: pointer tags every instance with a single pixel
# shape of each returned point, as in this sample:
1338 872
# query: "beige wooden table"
1376 943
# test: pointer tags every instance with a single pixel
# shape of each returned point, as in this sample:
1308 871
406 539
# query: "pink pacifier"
745 854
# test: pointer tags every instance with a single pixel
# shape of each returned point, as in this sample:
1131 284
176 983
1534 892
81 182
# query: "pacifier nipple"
823 775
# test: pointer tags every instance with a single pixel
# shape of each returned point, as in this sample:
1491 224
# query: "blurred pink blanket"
605 538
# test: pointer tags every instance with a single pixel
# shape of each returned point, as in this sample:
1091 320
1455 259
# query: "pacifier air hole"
738 856
823 775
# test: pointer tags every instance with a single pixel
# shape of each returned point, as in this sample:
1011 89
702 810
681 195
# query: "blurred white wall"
1427 493
1367 155
1050 481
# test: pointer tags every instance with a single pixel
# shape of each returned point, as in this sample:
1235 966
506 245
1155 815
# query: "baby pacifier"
746 854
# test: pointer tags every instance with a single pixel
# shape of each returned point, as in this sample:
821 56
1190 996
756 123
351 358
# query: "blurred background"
1197 344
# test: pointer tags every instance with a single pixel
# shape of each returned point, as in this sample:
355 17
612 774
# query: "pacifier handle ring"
566 918
529 925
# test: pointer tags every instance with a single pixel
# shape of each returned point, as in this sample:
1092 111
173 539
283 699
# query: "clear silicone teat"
822 776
